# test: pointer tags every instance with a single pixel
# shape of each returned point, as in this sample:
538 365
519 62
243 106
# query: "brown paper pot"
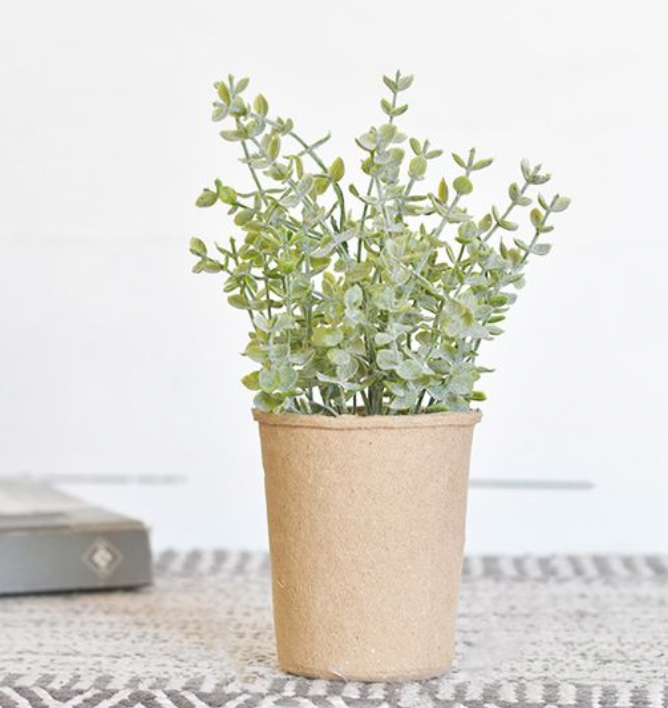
366 529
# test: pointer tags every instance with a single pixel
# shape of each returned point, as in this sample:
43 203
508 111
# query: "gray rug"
562 631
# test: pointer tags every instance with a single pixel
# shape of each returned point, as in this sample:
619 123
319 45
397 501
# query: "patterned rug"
558 631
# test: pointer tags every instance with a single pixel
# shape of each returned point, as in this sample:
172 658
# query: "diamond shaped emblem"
102 557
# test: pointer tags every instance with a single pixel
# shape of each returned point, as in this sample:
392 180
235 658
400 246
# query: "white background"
115 360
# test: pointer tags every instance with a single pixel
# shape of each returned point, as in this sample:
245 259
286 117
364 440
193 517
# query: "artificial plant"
356 299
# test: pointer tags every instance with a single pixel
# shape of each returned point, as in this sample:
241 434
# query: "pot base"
333 675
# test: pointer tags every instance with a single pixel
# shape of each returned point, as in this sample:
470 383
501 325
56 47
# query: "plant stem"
256 179
516 269
337 189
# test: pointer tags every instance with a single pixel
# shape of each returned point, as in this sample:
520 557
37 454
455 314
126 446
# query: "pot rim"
357 422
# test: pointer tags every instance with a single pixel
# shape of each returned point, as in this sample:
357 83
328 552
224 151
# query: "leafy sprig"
363 306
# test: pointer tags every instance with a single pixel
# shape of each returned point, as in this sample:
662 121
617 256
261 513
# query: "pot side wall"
366 532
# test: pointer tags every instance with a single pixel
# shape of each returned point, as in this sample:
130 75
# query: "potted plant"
365 328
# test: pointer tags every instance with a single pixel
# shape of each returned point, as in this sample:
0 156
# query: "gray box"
52 541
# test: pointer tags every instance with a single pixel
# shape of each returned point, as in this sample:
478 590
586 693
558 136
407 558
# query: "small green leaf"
462 185
338 357
241 85
367 141
467 231
359 271
286 264
269 380
324 336
197 247
274 147
560 203
416 147
238 301
386 134
541 249
485 224
238 107
226 194
337 170
403 403
417 167
206 199
219 112
260 105
267 403
233 135
252 381
481 164
386 359
320 185
211 266
442 191
383 338
537 217
353 296
409 369
405 82
287 377
459 160
299 166
390 84
224 93
526 169
348 370
386 106
507 225
243 217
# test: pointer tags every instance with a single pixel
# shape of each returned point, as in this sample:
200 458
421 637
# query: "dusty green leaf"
274 147
337 170
252 381
207 198
417 167
442 191
462 185
459 160
241 85
481 164
410 370
197 247
560 203
224 93
537 217
260 105
405 82
325 336
387 359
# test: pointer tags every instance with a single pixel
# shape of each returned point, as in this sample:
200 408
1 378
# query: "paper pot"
366 528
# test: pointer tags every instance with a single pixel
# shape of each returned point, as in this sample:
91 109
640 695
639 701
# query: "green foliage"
364 306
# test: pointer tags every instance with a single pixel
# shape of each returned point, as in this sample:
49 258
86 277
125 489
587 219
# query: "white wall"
114 359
